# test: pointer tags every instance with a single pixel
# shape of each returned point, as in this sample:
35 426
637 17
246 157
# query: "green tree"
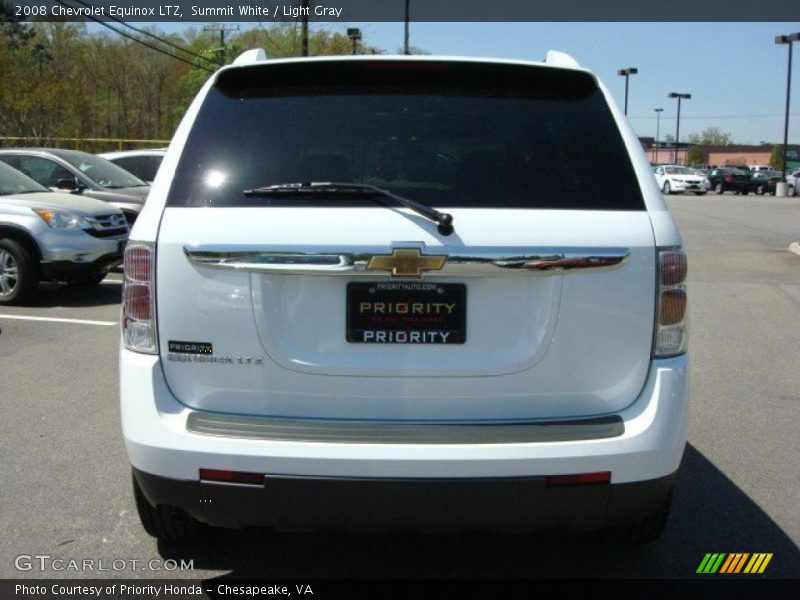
695 155
776 158
711 136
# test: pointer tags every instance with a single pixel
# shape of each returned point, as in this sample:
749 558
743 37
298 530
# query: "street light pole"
406 48
680 97
658 128
626 73
787 39
354 33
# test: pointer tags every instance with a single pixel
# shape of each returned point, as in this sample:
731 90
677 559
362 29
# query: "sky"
734 71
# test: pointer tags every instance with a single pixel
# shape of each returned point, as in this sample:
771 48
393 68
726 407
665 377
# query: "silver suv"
46 235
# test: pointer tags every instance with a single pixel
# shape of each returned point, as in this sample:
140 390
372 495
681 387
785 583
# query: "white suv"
387 293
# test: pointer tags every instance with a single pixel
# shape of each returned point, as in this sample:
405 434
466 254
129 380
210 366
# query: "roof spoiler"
250 57
560 59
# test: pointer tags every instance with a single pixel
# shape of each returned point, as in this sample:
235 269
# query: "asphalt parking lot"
65 479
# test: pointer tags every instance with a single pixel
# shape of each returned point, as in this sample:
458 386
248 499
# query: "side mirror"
70 184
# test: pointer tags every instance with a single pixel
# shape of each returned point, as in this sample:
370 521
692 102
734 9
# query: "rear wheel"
641 532
164 522
19 273
760 190
791 192
718 188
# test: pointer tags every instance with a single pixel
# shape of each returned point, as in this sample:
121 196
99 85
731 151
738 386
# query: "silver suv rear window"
469 135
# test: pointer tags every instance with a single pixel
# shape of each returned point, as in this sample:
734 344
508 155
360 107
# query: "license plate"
406 313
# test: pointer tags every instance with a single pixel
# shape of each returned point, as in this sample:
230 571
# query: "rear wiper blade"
444 220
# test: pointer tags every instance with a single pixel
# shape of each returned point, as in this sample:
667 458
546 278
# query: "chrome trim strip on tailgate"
386 432
483 261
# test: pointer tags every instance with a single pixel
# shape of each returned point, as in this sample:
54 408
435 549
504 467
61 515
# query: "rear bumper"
62 270
159 441
513 504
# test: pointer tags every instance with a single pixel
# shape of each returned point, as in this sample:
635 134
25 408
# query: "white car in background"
793 179
142 163
673 179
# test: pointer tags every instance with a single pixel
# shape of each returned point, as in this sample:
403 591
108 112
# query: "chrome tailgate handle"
462 261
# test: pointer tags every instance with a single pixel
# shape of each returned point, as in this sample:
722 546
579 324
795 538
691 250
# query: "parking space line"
56 320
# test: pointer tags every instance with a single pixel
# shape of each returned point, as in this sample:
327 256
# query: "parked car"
793 180
53 236
674 179
728 179
81 173
704 174
374 312
764 181
142 163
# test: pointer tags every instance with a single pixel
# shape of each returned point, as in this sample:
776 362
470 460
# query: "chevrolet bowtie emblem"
406 262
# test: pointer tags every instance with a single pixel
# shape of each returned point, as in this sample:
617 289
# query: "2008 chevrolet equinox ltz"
404 292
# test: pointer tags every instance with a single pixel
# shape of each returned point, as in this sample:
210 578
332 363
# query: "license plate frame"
406 312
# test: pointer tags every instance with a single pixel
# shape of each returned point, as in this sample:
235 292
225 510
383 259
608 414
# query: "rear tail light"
578 479
231 476
728 178
670 336
138 299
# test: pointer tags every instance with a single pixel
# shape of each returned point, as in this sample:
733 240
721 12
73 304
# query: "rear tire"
760 190
791 191
164 522
641 532
718 189
19 272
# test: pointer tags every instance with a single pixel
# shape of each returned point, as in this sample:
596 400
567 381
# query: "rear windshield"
450 135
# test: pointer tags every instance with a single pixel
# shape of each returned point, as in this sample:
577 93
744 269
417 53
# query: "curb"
795 247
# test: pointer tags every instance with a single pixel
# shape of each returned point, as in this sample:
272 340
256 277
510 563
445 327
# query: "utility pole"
304 26
222 28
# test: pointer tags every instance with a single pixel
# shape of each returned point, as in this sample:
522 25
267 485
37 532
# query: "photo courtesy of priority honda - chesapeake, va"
404 292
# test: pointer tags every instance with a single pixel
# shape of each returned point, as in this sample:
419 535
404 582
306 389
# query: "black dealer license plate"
406 312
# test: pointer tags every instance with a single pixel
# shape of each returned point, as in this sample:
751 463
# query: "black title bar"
338 11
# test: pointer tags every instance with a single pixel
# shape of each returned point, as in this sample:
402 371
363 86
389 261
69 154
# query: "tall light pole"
354 33
787 39
680 97
658 127
406 48
626 73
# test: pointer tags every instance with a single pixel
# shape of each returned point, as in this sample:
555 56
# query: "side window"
43 170
132 164
659 171
10 160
